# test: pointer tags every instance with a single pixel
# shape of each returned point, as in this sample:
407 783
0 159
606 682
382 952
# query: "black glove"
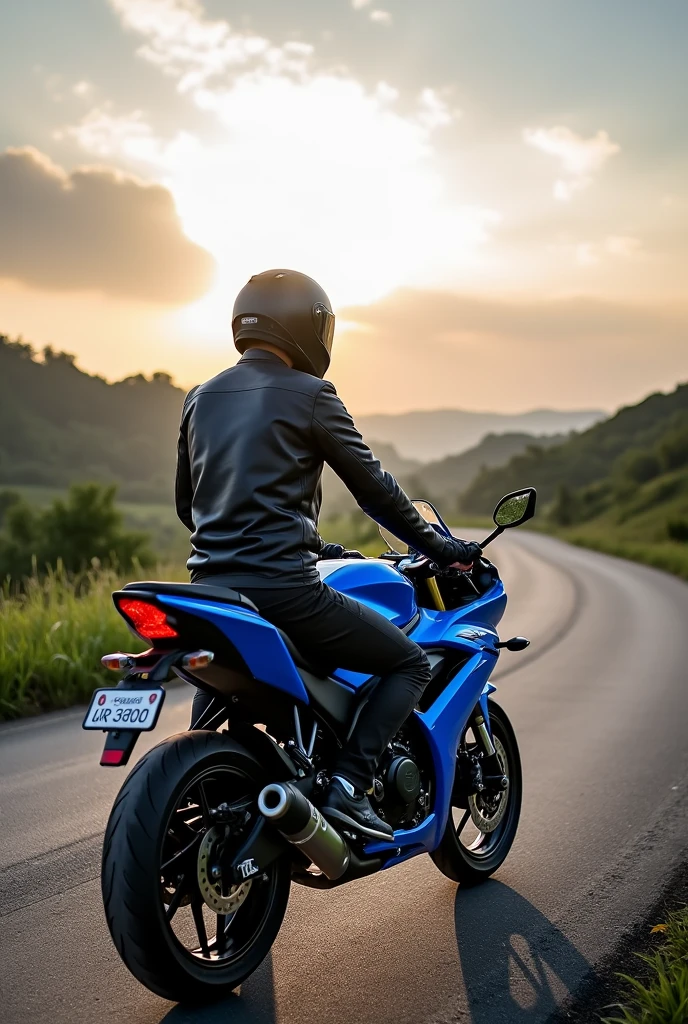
465 551
337 551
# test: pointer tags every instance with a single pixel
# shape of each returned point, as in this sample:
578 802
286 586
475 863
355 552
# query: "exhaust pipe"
303 825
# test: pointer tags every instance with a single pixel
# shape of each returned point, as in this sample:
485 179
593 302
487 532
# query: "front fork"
477 772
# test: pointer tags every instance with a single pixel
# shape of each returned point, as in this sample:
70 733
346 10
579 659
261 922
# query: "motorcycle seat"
199 591
335 700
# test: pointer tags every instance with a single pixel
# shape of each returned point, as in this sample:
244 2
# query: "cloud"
188 46
437 348
625 247
94 229
359 4
381 17
306 167
578 157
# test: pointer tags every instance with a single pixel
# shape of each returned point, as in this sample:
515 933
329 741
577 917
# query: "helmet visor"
323 321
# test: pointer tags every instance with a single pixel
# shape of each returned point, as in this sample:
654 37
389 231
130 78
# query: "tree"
565 509
75 531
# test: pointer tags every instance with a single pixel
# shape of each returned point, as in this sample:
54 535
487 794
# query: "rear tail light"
148 620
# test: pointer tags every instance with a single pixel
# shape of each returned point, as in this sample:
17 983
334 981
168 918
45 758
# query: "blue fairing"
259 643
373 582
470 628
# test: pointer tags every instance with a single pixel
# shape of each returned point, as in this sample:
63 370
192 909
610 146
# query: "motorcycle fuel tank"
374 582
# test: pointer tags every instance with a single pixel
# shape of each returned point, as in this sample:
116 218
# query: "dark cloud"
94 229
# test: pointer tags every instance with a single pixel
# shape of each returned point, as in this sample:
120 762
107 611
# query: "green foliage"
677 529
59 424
52 637
7 500
565 508
74 532
638 465
662 996
658 426
354 531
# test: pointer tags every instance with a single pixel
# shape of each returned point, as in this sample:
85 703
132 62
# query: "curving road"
600 705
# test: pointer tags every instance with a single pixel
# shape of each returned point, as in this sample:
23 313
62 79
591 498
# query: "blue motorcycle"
211 827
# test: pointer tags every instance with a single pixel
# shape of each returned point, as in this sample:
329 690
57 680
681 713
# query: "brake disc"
487 812
211 888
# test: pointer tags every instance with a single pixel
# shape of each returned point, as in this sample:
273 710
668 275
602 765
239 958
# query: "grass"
52 638
661 995
668 556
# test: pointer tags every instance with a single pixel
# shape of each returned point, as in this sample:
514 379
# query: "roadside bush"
677 529
74 531
638 466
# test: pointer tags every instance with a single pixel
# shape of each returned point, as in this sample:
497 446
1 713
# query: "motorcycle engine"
401 793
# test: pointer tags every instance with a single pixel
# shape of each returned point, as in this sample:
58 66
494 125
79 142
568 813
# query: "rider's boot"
344 806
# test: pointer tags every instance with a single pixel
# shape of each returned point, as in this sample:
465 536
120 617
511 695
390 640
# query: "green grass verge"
52 638
660 995
666 555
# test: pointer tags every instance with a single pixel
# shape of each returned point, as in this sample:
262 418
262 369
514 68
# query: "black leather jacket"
252 444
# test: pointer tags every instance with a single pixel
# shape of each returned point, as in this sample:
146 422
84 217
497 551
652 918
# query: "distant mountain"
450 477
636 444
432 434
443 481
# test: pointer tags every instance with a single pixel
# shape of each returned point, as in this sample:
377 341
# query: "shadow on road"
517 966
255 1004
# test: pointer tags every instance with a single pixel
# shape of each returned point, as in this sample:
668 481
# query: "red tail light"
147 619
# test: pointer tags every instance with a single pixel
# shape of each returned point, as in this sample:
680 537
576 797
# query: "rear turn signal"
199 659
116 662
147 619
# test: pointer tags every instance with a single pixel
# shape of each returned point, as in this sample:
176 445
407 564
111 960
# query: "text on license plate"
112 708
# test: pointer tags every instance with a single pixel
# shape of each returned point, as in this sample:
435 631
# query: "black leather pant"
335 630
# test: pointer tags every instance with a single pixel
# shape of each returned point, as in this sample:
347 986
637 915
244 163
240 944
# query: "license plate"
112 708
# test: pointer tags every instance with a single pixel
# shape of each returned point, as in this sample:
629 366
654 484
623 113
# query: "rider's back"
253 473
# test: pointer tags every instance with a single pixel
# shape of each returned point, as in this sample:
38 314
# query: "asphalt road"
600 706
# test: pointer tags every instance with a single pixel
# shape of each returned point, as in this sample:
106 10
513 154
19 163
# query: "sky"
494 194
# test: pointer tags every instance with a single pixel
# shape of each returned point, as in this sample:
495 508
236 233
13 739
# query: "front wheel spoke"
197 911
464 821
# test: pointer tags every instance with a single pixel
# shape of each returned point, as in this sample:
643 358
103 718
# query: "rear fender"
275 761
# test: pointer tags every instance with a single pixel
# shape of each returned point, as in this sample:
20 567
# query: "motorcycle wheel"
467 853
157 878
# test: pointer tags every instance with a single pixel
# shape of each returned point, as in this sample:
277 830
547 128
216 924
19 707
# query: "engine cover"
403 779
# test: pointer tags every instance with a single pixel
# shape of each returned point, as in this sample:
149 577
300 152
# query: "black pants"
331 628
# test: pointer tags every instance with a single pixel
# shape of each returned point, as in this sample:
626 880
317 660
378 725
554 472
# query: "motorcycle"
211 827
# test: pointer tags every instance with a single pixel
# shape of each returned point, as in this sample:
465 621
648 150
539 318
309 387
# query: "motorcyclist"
252 445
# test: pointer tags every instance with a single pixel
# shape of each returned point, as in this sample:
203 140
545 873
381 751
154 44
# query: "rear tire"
471 864
139 906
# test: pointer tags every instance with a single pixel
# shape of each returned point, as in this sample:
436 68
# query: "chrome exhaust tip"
303 826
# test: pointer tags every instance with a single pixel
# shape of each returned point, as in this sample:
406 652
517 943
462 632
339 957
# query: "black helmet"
289 310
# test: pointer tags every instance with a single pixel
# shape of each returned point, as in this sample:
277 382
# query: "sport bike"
212 826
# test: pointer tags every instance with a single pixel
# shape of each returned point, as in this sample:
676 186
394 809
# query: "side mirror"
515 508
512 510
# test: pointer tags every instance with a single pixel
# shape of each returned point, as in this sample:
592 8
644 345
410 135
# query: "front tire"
470 858
155 871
